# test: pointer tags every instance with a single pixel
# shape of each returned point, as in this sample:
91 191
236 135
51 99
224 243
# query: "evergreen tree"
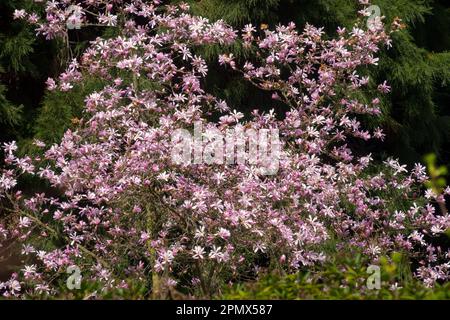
25 63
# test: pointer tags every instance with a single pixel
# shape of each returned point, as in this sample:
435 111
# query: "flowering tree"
121 208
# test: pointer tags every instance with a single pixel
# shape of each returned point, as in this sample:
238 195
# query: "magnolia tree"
123 208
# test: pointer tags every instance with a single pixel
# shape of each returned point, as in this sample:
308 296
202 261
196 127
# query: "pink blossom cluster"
120 208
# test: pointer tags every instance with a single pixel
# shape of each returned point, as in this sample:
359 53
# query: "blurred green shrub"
348 281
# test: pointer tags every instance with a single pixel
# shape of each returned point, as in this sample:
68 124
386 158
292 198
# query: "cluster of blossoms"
120 208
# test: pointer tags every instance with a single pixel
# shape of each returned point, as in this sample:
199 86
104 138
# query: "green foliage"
437 174
62 110
10 115
15 50
238 13
346 280
16 39
25 63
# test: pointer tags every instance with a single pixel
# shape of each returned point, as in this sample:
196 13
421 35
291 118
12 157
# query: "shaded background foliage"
416 114
25 64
